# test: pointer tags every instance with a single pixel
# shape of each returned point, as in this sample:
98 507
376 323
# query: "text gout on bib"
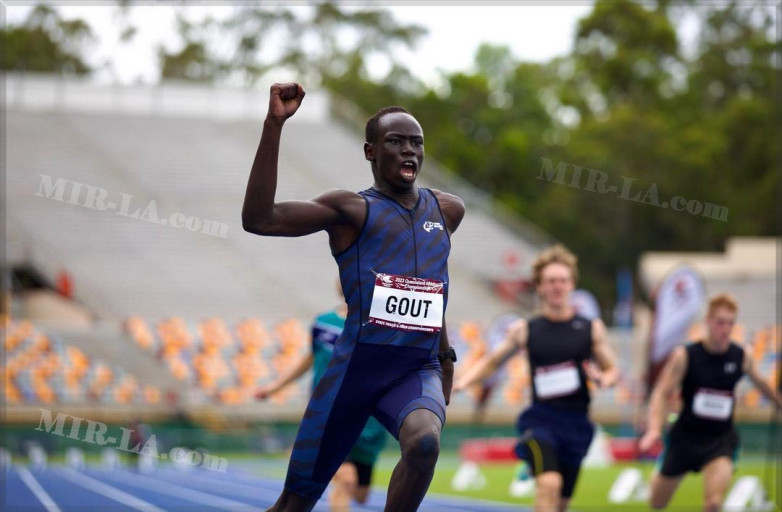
407 303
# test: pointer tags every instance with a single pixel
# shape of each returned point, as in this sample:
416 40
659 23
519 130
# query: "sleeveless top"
556 351
412 243
707 389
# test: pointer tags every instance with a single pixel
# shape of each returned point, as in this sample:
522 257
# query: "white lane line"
224 486
36 488
108 491
184 493
248 490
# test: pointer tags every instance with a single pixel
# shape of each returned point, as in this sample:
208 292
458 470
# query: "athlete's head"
720 319
555 273
395 147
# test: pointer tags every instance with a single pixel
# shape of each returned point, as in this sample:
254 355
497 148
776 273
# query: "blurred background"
131 293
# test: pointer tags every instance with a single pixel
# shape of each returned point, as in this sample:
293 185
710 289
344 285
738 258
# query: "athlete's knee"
658 501
361 495
657 504
289 501
549 482
346 475
712 503
422 450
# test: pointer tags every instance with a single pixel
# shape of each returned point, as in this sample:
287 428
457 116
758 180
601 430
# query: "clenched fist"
284 101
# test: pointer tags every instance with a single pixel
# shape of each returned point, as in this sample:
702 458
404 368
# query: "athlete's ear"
369 153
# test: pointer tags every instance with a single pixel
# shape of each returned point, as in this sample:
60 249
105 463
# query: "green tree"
46 43
246 45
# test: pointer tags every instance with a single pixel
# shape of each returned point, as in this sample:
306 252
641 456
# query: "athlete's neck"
714 347
561 314
408 198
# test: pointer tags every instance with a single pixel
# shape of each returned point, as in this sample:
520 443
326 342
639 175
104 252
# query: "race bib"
407 303
556 380
712 404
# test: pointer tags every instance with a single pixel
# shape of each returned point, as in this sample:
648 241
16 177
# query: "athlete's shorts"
364 472
369 444
684 452
387 382
553 439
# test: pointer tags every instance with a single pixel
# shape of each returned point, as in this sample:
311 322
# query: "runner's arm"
669 383
751 370
515 340
299 369
601 351
446 366
260 214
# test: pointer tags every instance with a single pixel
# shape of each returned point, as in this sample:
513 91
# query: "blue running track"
61 489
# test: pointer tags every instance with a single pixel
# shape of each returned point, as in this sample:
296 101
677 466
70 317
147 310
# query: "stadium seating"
227 365
42 369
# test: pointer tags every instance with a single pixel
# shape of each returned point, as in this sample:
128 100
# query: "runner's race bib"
407 303
556 380
712 404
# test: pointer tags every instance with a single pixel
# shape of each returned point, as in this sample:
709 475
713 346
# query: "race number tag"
556 380
407 303
712 404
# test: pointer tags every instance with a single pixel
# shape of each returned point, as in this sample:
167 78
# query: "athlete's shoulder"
736 349
451 206
580 321
338 197
681 354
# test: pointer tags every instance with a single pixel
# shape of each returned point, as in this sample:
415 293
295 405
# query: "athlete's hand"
284 101
264 392
447 368
647 442
593 373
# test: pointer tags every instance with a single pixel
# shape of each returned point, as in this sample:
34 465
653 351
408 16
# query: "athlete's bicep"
299 218
673 373
750 369
515 340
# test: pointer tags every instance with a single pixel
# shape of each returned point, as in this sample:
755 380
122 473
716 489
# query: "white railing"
58 93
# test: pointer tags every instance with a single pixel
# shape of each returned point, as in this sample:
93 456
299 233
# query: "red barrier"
497 449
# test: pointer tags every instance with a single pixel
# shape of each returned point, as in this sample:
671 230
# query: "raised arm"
515 340
260 214
751 371
669 383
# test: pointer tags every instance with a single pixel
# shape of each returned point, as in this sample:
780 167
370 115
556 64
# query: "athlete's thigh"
414 390
717 474
662 489
336 414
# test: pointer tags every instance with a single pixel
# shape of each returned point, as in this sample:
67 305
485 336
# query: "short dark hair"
370 132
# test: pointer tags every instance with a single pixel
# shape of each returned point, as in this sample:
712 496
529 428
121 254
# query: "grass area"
593 486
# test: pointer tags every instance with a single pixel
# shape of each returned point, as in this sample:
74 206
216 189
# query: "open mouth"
408 170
